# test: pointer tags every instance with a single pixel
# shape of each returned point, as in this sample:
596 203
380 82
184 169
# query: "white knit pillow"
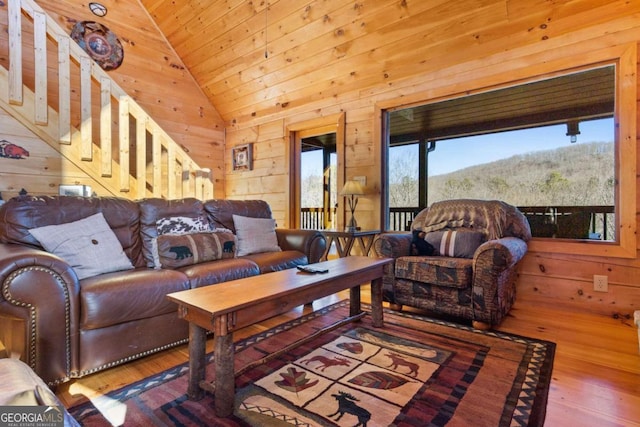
88 245
255 235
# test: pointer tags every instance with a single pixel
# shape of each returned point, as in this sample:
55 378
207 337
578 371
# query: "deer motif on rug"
326 362
399 360
347 405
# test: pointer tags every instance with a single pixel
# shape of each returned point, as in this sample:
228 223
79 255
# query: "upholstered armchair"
472 273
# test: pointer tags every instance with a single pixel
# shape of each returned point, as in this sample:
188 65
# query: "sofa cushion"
20 214
220 212
193 248
223 270
88 245
115 298
443 271
459 243
276 261
255 235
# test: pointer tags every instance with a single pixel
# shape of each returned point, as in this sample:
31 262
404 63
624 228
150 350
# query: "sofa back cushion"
220 212
20 214
153 210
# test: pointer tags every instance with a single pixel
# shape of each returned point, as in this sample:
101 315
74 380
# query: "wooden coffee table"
229 306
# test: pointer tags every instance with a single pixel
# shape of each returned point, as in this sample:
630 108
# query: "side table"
346 240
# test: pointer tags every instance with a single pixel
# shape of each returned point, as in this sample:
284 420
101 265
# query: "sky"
488 148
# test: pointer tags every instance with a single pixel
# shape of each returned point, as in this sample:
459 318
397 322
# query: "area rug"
414 371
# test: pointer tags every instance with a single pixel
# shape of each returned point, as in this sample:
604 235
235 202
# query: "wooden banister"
168 172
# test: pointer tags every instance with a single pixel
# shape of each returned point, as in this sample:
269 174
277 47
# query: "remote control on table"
312 270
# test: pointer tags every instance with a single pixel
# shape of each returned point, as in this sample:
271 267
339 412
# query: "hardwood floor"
596 374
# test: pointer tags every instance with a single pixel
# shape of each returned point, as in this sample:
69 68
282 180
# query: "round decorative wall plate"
100 43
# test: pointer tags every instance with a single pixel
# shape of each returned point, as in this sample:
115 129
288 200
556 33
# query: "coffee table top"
229 296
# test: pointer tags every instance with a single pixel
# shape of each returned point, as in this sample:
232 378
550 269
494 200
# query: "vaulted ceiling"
257 58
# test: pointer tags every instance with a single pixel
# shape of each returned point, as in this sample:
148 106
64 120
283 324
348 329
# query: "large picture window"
551 146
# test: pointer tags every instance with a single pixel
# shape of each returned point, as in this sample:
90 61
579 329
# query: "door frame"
334 123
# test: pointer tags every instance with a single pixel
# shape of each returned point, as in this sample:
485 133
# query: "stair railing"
143 162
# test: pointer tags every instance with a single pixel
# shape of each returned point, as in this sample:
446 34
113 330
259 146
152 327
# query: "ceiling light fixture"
573 130
98 9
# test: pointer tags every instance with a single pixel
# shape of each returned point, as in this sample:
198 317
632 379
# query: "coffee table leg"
354 301
197 344
225 377
376 302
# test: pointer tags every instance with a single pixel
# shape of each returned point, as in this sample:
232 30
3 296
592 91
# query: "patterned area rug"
413 372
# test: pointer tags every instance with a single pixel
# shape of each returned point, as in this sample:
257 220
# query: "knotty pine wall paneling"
505 43
42 171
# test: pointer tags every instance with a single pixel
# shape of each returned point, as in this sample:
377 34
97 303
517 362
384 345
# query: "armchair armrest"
499 254
310 242
41 290
393 245
494 275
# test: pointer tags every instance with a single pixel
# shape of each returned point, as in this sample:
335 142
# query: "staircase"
114 142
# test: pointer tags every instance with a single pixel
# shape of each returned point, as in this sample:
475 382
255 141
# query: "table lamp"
352 189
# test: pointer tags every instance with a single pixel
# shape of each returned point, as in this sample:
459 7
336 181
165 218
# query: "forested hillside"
581 174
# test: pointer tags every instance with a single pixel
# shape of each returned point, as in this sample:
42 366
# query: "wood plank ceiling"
255 58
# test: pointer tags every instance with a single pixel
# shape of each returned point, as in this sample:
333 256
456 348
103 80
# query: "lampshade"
352 188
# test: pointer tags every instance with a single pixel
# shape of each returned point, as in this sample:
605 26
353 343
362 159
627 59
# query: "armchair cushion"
441 271
493 218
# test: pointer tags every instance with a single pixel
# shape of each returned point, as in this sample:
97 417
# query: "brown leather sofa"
76 327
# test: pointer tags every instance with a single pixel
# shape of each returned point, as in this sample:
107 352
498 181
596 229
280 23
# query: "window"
563 183
560 147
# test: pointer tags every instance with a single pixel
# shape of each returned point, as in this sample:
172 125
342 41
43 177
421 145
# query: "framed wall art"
242 157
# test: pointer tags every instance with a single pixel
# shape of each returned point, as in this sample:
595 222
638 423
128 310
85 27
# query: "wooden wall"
42 171
500 55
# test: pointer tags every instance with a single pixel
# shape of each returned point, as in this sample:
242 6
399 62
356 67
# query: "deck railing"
314 218
588 222
141 161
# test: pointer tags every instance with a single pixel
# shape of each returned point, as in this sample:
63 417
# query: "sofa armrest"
494 275
310 242
41 290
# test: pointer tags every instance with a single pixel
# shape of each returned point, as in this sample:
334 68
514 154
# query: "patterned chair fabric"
480 289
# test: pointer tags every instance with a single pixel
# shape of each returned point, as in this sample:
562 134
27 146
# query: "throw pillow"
181 225
255 235
89 246
455 243
419 246
176 225
179 250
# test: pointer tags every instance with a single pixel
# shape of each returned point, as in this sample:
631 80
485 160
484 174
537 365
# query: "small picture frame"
74 190
242 157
